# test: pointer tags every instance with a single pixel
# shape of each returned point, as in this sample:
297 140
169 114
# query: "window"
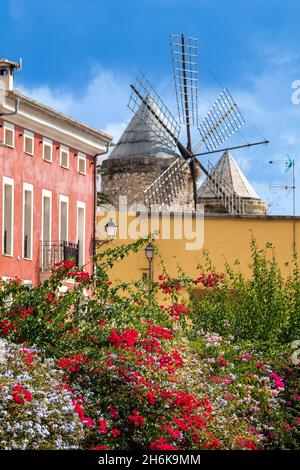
8 216
46 215
47 150
63 218
29 142
81 231
9 134
64 157
82 163
27 220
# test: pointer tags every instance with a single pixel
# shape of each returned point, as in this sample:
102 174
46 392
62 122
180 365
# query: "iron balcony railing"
54 252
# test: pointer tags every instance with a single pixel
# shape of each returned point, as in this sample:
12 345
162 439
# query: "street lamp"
149 251
111 233
111 229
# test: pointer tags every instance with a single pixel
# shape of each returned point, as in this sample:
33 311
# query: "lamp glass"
149 250
111 229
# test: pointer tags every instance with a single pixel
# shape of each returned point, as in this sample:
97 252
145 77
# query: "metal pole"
294 189
187 119
294 208
232 148
150 283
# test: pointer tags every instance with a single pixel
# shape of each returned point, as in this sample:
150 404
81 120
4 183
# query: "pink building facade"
47 185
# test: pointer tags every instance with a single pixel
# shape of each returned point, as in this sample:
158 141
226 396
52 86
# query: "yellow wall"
226 238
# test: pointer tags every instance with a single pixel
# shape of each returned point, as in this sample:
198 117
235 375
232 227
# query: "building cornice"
53 124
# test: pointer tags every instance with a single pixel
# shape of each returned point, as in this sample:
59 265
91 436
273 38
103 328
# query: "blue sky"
80 56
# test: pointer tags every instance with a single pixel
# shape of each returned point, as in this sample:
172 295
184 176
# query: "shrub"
35 410
139 374
266 307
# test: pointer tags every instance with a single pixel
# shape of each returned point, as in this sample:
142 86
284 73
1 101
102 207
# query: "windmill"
220 123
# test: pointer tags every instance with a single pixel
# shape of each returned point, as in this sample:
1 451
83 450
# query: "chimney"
7 70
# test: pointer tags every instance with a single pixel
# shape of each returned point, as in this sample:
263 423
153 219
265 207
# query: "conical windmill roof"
229 172
139 139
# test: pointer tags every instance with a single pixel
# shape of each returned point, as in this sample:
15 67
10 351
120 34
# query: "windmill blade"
184 53
165 190
147 105
222 121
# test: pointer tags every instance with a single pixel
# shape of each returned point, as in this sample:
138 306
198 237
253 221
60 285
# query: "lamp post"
149 251
111 233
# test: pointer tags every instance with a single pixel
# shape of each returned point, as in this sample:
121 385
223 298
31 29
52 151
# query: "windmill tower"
138 159
149 163
230 174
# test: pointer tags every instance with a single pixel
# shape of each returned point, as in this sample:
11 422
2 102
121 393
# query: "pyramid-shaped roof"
139 139
229 172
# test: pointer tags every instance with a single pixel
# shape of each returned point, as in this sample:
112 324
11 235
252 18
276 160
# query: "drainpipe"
95 199
12 113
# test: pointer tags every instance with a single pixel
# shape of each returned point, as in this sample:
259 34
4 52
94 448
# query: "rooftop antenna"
289 163
219 124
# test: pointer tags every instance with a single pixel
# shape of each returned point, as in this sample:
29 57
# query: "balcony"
53 252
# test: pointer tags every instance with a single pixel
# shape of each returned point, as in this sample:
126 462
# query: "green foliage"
266 307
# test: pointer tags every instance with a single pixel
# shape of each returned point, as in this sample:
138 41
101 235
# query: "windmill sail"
143 99
169 188
222 121
184 52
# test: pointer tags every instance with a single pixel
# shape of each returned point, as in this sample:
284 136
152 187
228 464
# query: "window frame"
81 205
27 187
64 148
63 198
8 182
48 194
81 156
28 135
11 127
48 142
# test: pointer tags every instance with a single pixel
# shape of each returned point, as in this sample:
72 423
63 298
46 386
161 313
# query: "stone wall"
251 206
131 176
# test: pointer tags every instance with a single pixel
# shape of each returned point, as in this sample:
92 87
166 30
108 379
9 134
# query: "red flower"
151 398
136 419
102 426
247 443
21 395
6 326
114 412
50 298
161 444
159 332
115 433
127 339
222 362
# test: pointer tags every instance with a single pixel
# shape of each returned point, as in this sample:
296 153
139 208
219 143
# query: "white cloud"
101 103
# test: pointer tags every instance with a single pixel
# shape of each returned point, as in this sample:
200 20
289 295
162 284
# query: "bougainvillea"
133 373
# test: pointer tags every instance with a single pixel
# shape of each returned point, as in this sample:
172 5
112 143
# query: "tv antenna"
289 164
222 121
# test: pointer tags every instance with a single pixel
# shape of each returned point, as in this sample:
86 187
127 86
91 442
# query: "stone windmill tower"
237 186
137 160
